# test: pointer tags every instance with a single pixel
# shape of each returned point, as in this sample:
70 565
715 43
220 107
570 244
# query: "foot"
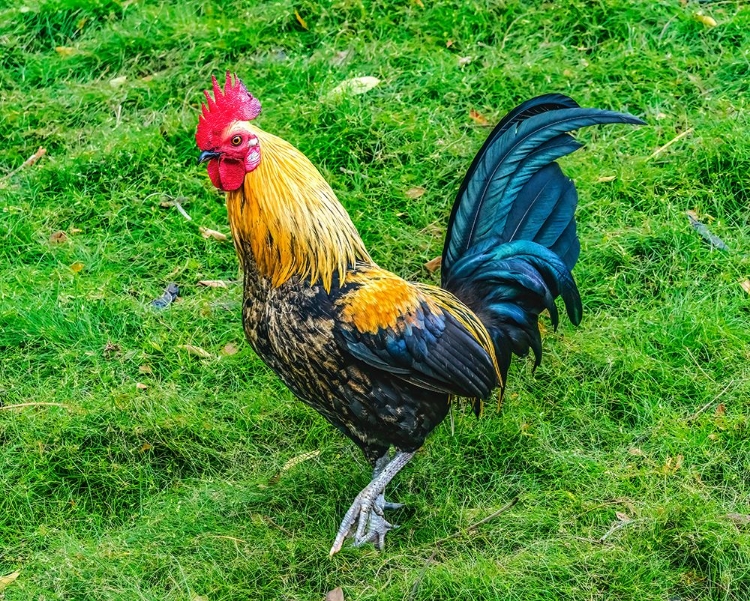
365 520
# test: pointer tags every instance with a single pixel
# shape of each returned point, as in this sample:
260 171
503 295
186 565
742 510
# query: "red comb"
234 103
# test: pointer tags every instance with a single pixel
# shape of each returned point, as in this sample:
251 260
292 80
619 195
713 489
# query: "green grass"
177 491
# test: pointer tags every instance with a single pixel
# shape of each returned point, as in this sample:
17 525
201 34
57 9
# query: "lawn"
137 468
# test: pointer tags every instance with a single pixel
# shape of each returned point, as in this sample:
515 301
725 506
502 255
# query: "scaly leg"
367 510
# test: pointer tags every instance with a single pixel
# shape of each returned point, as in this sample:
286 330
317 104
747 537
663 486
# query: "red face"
236 154
224 135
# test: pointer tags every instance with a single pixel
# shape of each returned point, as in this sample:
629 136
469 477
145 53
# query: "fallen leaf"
118 81
721 410
636 452
294 461
58 237
420 4
209 233
230 348
146 447
341 57
213 283
7 580
740 519
77 267
449 43
196 350
706 20
464 60
301 21
606 178
746 286
623 517
75 230
65 50
140 386
478 118
355 86
415 192
434 264
145 369
335 595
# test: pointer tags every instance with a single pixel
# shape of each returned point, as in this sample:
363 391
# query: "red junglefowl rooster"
377 356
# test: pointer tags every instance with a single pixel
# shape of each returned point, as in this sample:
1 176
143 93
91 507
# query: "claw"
367 510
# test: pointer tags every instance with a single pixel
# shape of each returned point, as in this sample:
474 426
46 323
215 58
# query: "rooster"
379 357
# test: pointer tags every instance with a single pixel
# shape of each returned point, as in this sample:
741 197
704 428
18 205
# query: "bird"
379 357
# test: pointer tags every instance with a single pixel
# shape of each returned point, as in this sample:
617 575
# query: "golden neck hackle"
291 220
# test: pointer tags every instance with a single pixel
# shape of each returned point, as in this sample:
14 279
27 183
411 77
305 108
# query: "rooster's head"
224 136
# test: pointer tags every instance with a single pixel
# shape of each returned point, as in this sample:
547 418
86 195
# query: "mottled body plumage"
295 328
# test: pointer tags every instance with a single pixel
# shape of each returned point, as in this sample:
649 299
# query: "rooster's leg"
367 510
380 464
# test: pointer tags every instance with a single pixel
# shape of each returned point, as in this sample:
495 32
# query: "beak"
207 155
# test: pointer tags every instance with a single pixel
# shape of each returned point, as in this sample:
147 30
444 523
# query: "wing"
421 334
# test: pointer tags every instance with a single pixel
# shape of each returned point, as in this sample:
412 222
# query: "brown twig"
466 530
28 162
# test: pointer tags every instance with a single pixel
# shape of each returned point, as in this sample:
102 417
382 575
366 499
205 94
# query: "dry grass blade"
196 351
746 286
353 87
22 405
180 210
301 21
661 149
294 461
212 283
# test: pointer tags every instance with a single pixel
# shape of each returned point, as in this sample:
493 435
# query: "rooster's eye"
237 140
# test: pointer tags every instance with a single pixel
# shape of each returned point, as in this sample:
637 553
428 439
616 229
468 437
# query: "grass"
178 491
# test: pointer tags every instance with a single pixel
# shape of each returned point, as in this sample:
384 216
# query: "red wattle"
213 172
225 174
